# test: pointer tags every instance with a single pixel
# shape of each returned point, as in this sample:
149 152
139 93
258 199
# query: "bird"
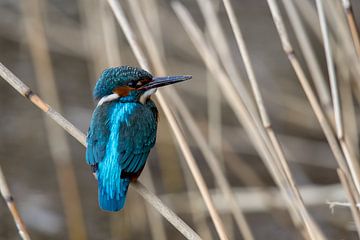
122 130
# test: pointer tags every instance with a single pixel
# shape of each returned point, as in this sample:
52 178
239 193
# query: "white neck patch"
146 95
108 98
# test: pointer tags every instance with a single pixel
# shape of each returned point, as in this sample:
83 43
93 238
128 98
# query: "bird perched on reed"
122 130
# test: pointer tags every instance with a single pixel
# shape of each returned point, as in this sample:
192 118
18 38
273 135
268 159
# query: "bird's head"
131 83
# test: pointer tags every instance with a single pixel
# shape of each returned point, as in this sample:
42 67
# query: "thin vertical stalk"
59 147
251 126
199 217
352 24
222 48
331 70
26 92
351 160
309 55
306 85
10 202
116 7
263 114
155 221
334 145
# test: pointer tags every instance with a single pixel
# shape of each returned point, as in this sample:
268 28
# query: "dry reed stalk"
117 9
9 199
354 210
59 147
352 24
193 196
309 55
349 156
331 70
250 125
306 86
26 92
223 50
263 114
309 15
210 157
342 34
349 113
214 165
154 219
309 93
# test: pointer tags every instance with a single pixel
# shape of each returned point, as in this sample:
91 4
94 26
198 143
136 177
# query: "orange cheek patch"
123 91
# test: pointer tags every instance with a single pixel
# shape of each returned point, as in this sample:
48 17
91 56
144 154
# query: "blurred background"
59 48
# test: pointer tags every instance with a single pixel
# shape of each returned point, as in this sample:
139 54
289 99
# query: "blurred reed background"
258 145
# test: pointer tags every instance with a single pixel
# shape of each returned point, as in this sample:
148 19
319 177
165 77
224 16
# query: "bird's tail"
113 202
112 188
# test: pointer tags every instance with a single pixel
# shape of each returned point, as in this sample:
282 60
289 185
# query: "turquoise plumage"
122 130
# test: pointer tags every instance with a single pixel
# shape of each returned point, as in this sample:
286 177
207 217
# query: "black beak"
163 81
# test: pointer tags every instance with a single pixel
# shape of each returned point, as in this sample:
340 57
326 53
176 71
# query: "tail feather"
113 202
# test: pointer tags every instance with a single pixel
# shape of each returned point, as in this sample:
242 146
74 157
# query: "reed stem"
10 202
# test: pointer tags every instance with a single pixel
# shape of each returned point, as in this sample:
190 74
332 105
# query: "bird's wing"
137 136
98 135
136 125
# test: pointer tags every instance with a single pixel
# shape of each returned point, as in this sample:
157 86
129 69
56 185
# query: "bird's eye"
135 84
132 84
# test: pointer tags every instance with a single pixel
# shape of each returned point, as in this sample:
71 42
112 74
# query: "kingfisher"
122 130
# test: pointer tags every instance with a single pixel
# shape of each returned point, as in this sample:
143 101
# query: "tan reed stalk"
309 55
240 110
354 209
210 157
256 91
309 92
309 15
349 157
220 40
9 199
352 24
25 91
342 34
59 147
199 217
116 7
155 222
331 70
306 85
222 48
349 113
259 101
